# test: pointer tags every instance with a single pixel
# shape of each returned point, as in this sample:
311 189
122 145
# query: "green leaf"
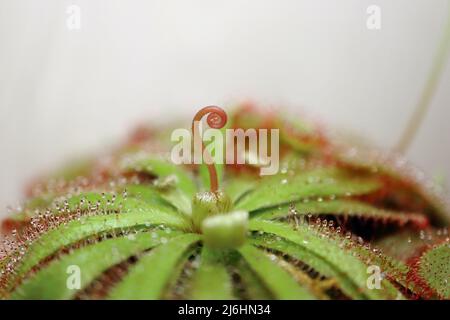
298 135
39 202
402 245
140 197
276 279
92 260
87 226
335 251
311 259
238 186
178 199
211 280
163 169
74 169
32 206
394 269
434 267
253 288
414 192
323 182
148 194
343 207
178 191
151 274
87 201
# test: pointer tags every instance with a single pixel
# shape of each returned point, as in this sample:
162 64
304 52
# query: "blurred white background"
64 92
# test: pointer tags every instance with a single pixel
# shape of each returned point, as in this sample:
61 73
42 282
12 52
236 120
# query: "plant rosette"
334 223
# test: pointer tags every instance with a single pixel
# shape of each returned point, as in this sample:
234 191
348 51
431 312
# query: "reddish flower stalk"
217 118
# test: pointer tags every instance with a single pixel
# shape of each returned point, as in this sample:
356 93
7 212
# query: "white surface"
67 92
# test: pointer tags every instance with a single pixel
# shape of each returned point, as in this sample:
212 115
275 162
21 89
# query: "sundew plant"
336 222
